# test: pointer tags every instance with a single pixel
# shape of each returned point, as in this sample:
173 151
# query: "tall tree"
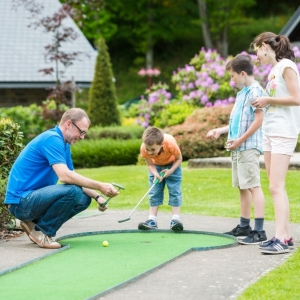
216 17
143 23
102 107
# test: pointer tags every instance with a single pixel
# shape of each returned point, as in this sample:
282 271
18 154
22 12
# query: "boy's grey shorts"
245 169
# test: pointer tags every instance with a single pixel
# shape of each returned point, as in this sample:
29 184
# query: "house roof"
22 50
292 27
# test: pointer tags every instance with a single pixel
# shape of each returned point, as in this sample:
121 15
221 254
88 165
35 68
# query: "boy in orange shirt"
162 154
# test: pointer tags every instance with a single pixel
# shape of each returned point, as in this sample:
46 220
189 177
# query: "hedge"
106 152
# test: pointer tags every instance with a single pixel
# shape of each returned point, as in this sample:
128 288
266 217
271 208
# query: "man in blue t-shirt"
33 195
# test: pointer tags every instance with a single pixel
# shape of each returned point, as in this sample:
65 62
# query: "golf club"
155 182
119 187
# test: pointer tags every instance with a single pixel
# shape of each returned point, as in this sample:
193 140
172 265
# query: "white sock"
175 217
152 217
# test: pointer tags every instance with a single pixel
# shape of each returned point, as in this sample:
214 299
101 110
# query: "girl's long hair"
279 43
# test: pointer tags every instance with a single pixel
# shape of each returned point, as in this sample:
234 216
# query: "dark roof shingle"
22 52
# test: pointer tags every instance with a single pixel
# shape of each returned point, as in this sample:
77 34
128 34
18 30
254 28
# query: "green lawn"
205 191
209 192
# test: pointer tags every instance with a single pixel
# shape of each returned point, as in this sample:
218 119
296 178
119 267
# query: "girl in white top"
280 128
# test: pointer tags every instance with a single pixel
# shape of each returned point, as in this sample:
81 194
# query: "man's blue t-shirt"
33 170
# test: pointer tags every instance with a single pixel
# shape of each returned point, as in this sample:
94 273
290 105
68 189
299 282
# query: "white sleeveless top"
283 121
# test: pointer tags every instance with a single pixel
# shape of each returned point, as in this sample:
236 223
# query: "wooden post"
73 93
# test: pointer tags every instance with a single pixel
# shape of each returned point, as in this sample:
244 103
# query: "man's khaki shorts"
245 169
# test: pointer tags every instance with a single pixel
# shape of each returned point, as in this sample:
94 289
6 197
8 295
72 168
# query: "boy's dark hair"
153 136
241 62
279 43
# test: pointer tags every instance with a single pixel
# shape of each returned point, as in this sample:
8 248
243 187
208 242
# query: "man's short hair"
74 114
241 62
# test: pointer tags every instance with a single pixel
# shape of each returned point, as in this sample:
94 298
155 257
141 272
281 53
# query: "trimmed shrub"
118 132
191 135
102 107
108 152
10 147
141 161
5 216
173 113
29 119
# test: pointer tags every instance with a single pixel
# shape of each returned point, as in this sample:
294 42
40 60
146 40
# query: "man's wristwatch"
98 196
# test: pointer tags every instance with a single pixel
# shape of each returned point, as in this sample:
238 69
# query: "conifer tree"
102 106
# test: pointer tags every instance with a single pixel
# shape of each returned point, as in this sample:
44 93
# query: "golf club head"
121 221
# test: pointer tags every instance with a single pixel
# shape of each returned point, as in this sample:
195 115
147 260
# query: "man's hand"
108 190
100 201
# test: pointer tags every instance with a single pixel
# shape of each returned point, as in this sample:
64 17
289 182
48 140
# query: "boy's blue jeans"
50 207
173 182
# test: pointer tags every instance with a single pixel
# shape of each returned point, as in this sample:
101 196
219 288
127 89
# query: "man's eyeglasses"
82 133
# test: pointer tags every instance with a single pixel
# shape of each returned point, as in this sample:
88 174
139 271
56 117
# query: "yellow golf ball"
105 243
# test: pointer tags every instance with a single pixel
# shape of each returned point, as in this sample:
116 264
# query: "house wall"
25 97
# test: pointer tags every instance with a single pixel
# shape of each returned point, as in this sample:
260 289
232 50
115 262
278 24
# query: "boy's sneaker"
239 231
276 247
176 225
255 237
149 224
290 243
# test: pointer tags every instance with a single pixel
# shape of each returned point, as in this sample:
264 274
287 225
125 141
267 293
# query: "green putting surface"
88 269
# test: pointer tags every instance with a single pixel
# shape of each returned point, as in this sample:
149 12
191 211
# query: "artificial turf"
88 269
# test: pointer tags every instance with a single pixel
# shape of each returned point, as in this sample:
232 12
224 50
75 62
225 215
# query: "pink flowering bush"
204 82
157 98
159 111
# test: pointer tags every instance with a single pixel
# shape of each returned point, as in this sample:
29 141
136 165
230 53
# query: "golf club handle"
119 187
157 179
104 203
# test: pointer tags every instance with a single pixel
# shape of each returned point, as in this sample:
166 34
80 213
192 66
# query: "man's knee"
75 192
85 200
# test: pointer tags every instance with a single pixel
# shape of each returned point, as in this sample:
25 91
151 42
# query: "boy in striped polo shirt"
245 143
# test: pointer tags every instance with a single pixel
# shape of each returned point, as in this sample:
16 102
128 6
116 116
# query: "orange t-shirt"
167 156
